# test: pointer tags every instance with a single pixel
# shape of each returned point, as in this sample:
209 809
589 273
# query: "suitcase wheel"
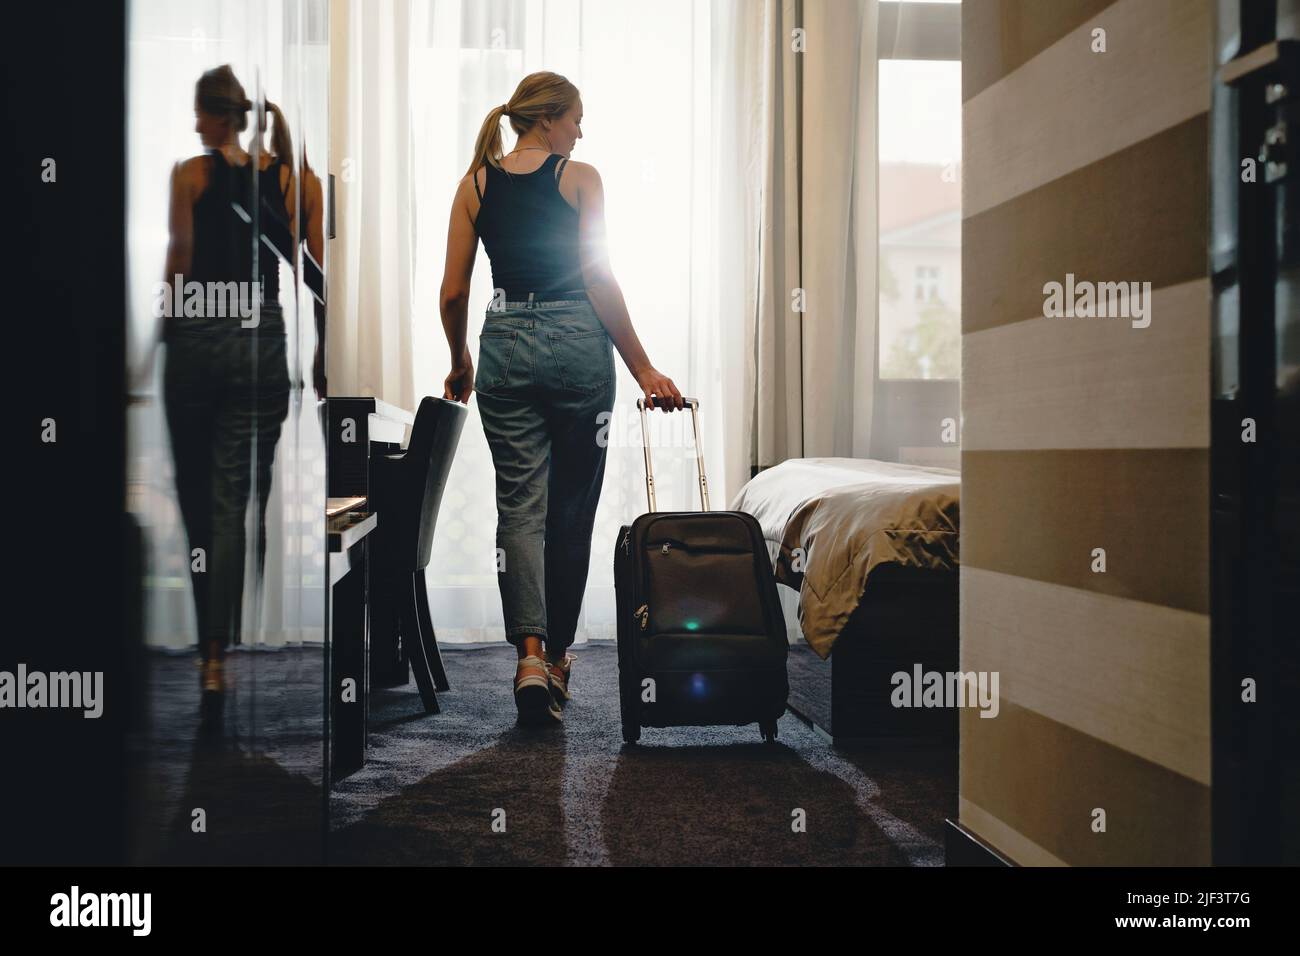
768 729
631 734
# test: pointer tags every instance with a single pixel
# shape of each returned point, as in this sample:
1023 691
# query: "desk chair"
406 490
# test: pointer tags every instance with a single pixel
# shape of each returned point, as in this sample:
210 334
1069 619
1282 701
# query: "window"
918 381
926 285
920 191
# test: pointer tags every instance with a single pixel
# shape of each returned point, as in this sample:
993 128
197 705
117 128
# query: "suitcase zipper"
641 614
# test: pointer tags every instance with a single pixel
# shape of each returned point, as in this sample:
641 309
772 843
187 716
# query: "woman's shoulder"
191 175
465 187
584 174
195 165
196 168
279 168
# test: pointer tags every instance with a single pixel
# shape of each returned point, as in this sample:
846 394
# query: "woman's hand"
318 372
660 392
460 381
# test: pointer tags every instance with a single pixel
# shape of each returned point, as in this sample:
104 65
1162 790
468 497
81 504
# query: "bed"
868 552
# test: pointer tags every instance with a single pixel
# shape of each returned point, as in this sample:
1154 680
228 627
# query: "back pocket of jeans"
584 360
495 350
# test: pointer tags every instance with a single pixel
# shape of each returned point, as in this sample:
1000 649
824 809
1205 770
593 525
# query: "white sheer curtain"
645 72
736 170
370 279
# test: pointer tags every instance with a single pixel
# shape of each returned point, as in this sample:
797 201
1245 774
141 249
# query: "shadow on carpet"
468 787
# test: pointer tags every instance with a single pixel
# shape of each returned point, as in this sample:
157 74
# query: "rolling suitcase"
701 636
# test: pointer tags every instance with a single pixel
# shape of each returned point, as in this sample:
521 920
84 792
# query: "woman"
546 368
225 382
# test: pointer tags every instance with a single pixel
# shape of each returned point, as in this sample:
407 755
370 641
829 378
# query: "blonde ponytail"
538 96
488 148
281 141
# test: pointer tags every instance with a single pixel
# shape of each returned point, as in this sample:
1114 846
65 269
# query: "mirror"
226 108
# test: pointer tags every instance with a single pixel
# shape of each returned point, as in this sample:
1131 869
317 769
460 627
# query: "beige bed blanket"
849 516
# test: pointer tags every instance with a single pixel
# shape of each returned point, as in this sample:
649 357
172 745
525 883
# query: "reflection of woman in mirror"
308 229
225 383
311 227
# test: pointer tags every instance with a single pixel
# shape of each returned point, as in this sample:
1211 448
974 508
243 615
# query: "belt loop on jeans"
530 299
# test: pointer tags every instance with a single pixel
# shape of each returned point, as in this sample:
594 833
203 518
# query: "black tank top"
529 231
223 231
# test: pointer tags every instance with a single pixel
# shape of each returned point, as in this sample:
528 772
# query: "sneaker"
212 676
533 695
559 674
213 698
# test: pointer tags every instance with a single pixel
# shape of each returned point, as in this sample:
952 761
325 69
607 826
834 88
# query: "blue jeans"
226 396
545 375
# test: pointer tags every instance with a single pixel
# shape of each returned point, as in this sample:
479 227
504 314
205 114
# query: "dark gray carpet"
570 795
257 781
433 786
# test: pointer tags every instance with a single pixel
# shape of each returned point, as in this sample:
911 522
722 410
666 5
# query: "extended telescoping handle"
694 404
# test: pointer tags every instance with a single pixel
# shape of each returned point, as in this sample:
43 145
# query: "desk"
348 681
359 429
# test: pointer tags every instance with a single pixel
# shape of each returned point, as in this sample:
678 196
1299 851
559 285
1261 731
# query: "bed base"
908 616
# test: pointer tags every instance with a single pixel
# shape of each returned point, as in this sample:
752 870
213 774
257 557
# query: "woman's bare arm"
180 223
313 204
453 297
180 254
607 297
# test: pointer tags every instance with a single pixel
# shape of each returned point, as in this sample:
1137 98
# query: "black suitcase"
701 636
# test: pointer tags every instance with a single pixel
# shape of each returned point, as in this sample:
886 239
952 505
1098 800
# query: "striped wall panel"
1086 433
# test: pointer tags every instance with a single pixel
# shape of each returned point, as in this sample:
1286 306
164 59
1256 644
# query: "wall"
1084 433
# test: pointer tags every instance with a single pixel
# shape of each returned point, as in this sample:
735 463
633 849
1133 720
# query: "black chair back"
410 485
